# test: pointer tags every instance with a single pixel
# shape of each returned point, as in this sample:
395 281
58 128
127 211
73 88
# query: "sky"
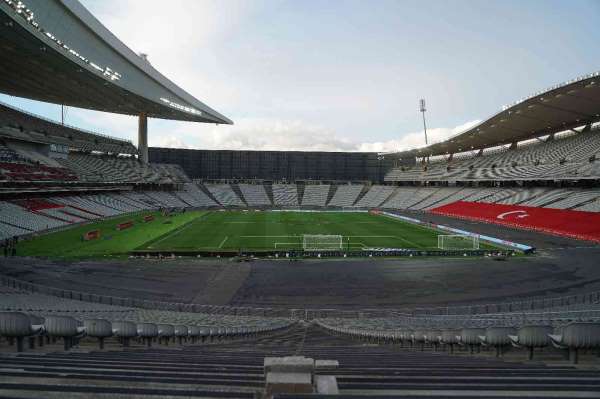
342 75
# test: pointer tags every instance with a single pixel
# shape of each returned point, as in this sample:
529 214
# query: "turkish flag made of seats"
563 222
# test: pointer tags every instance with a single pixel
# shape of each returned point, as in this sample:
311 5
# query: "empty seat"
17 325
532 336
98 328
575 336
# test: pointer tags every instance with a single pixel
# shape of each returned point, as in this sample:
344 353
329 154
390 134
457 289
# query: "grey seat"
64 327
575 336
531 337
181 332
165 332
125 330
470 337
498 337
98 328
449 337
147 331
17 325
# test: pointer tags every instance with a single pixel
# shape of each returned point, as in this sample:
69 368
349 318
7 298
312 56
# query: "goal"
323 242
458 241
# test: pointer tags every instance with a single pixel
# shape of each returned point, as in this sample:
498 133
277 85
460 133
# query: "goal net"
315 242
458 241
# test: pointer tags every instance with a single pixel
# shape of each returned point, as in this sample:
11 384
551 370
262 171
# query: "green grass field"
232 230
68 243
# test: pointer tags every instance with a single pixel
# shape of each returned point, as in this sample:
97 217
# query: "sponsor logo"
520 214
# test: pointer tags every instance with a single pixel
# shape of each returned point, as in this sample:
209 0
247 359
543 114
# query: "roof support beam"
143 138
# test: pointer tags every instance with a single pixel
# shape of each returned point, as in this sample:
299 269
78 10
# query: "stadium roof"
562 107
57 51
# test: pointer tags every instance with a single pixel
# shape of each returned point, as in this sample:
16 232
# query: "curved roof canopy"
565 106
57 51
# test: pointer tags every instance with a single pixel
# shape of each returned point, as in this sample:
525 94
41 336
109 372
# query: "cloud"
282 135
262 134
417 139
167 142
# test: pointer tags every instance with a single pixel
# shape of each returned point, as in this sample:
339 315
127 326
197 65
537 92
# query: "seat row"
20 326
572 337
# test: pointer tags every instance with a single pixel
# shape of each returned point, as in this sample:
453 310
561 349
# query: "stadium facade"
290 166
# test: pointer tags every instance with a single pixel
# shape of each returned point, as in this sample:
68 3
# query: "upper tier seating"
9 155
173 172
345 195
567 157
29 172
102 168
285 194
21 125
315 194
255 194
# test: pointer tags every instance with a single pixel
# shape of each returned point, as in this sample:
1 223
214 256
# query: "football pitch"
258 230
228 231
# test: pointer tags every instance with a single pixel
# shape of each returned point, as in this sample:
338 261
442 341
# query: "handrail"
515 308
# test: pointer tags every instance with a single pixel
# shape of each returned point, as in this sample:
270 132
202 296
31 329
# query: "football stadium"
464 267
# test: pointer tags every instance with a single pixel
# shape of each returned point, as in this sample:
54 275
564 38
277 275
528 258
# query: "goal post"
458 241
321 242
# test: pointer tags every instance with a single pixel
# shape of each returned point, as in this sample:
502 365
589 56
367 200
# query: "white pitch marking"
372 236
177 231
266 236
223 242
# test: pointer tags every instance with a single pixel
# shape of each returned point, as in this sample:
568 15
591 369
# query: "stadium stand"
255 194
572 155
195 197
84 345
562 222
116 350
39 214
575 199
443 197
345 195
166 198
19 124
375 196
315 195
15 216
225 195
285 195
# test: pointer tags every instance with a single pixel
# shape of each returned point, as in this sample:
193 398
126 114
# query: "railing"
525 305
140 303
569 305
